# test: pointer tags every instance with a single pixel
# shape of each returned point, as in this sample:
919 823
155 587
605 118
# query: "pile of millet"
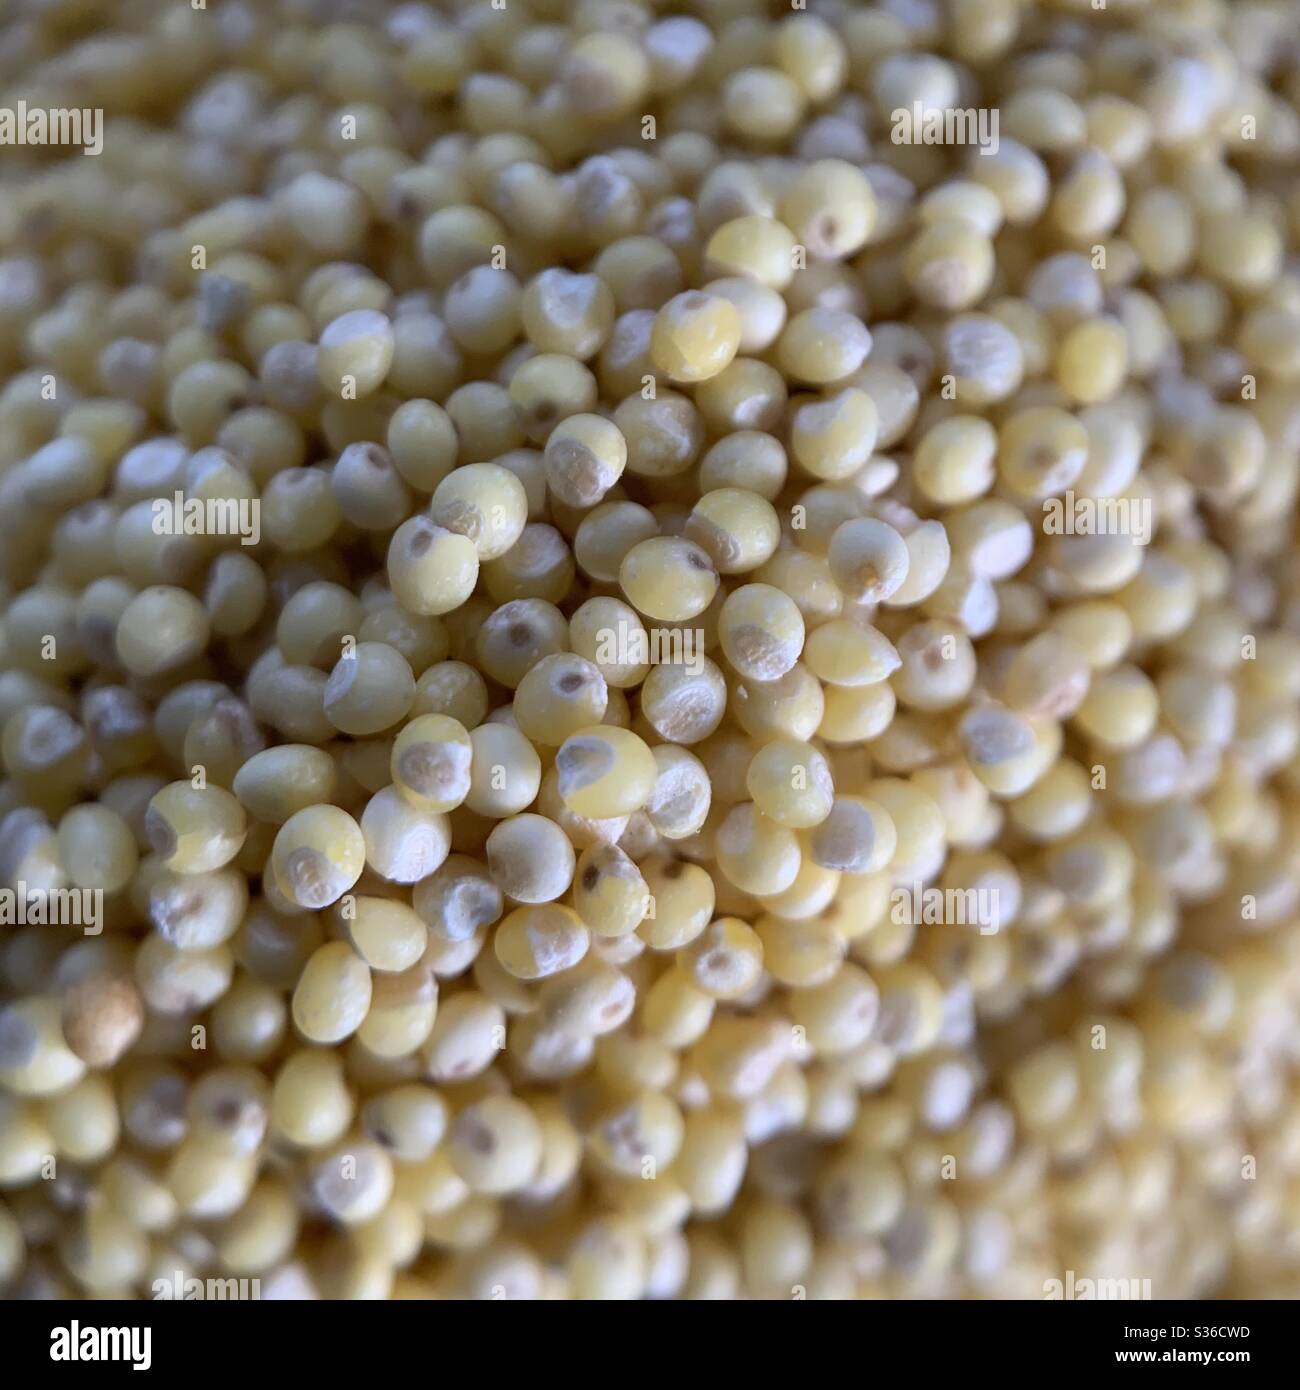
514 865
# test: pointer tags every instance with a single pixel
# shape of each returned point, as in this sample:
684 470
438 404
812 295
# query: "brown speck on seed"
227 1111
476 1135
161 836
